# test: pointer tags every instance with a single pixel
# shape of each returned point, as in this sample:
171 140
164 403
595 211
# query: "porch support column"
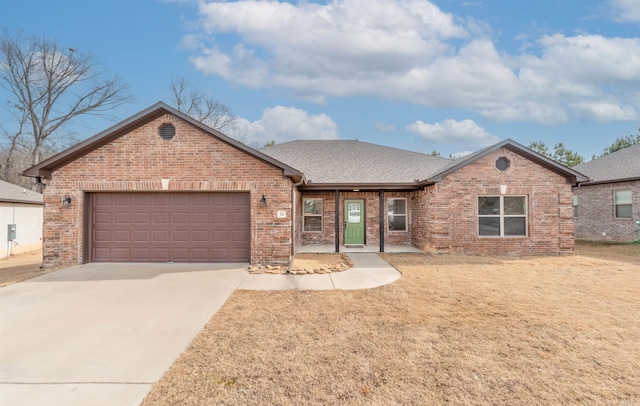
382 210
337 221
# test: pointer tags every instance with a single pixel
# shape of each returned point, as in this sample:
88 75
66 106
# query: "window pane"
313 206
488 205
489 226
397 223
397 206
623 211
312 223
514 205
515 226
623 197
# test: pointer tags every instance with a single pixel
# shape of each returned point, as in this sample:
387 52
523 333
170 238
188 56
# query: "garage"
170 227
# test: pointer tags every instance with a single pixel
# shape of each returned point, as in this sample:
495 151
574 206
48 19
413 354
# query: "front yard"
452 330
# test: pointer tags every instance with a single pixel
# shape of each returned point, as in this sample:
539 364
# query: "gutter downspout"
293 222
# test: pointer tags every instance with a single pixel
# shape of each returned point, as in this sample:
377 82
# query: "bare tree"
14 148
193 102
52 86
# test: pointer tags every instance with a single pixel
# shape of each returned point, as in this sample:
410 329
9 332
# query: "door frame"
363 217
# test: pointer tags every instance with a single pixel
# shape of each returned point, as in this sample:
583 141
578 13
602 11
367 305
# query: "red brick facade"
372 219
192 161
440 217
447 211
443 217
596 221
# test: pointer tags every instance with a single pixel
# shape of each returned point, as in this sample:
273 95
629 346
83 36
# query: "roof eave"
599 182
358 187
7 200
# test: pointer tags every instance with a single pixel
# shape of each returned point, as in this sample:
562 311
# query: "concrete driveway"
102 334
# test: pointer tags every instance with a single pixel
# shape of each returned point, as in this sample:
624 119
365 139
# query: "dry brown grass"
452 330
20 267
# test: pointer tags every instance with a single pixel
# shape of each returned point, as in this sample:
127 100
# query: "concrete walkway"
368 271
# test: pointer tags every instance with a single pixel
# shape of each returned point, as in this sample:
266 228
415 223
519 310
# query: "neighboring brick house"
161 186
607 207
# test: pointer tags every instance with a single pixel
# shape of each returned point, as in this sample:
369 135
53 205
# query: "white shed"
20 219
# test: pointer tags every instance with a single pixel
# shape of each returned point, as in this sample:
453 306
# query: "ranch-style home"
607 208
162 187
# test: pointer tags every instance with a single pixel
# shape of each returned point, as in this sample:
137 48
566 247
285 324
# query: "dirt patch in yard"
20 267
320 263
452 330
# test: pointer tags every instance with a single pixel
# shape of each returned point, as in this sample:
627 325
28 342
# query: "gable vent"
502 164
167 131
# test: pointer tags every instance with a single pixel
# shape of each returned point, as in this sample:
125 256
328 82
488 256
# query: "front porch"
330 248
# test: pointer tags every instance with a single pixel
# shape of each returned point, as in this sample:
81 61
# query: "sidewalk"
368 271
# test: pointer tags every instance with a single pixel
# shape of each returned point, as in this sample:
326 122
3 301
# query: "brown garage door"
178 227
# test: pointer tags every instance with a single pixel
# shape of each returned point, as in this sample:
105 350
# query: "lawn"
452 330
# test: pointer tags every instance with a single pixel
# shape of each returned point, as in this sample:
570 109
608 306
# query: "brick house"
161 186
607 207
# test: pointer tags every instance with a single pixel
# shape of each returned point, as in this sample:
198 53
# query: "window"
502 216
622 203
397 214
312 216
575 205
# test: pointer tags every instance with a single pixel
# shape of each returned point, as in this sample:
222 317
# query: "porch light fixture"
263 202
66 201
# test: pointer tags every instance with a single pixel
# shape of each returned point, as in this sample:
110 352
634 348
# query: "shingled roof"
353 162
16 194
619 166
334 163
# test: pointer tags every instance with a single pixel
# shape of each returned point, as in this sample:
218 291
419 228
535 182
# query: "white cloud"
385 126
463 133
281 124
409 50
595 111
626 10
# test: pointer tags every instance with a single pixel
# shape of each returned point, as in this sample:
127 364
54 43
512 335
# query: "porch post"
382 210
337 221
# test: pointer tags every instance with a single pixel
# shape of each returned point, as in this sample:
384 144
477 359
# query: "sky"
443 75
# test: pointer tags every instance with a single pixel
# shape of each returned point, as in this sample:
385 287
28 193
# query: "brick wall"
192 161
372 219
449 209
596 218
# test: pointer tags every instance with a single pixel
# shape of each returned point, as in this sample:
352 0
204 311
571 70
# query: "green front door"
353 222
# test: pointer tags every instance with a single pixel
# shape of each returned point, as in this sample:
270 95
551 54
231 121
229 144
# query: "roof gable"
46 167
571 174
622 165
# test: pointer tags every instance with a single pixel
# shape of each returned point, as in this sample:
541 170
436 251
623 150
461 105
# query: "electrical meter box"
11 232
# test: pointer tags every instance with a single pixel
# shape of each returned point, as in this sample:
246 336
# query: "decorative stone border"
296 270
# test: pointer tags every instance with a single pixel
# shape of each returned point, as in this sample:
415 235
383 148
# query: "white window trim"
615 204
502 217
406 215
576 211
321 215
